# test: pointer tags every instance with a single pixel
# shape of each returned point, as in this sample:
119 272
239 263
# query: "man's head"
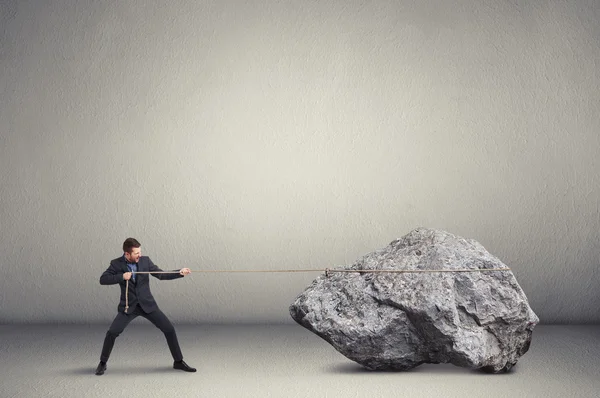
131 248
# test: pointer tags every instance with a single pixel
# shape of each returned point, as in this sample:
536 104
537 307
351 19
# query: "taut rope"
326 270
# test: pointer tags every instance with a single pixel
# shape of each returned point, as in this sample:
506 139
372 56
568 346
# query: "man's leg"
116 328
160 320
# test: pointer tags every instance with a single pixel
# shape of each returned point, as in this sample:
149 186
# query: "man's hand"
127 276
185 271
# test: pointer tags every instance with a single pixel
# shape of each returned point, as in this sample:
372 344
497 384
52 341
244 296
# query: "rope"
326 270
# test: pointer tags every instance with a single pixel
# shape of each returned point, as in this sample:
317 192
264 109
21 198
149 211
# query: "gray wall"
292 134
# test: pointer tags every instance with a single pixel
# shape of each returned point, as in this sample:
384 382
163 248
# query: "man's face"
134 256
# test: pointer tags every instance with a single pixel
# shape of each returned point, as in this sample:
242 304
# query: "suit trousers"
158 319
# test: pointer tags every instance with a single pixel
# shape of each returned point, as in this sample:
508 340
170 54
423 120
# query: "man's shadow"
122 371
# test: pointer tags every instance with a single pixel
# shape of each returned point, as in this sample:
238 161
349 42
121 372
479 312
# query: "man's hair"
129 244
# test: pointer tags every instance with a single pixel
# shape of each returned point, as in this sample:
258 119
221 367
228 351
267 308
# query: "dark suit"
141 302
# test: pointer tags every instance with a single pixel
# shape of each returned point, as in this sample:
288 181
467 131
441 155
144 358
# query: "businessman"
139 299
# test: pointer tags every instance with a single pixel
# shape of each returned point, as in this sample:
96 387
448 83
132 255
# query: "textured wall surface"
292 134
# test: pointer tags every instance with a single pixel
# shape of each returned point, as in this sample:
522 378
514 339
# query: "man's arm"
153 268
112 276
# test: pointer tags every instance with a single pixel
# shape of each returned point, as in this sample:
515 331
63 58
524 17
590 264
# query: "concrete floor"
271 361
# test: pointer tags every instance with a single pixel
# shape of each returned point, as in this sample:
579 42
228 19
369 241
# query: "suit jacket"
139 291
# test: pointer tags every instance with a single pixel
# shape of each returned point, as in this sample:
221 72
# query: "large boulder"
399 320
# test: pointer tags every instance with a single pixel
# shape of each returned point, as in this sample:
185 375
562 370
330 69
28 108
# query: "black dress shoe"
183 366
101 368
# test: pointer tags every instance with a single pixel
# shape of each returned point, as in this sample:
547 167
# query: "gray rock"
397 321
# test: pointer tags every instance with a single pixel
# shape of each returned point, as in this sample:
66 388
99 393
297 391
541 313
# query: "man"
139 300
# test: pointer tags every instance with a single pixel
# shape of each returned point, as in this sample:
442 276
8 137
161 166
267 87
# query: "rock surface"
397 321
